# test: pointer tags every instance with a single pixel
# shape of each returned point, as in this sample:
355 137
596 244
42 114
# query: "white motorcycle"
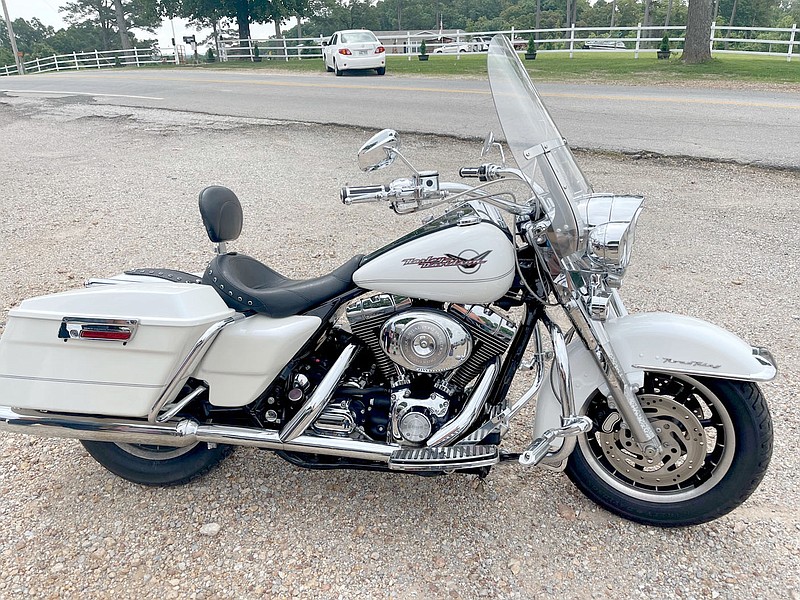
401 360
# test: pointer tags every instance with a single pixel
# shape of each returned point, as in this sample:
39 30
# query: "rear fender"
660 342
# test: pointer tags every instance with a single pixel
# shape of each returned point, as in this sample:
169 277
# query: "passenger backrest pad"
222 213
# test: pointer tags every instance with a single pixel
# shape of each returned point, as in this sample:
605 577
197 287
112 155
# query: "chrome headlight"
612 222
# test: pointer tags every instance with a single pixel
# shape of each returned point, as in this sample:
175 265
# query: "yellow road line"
435 90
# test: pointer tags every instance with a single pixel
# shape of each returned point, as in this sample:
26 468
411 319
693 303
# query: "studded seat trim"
249 285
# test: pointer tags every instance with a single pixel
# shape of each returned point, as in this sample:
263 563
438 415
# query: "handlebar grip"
350 192
469 172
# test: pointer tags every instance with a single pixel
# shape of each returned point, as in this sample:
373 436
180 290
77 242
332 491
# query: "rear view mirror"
379 151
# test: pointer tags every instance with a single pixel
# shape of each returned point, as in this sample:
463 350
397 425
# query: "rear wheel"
381 70
149 464
336 69
717 439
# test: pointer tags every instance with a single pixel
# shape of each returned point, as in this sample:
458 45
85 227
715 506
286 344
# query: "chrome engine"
428 356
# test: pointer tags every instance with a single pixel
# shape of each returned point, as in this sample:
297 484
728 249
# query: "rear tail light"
380 50
111 330
345 51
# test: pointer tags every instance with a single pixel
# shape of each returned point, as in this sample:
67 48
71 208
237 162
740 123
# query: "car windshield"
538 147
358 36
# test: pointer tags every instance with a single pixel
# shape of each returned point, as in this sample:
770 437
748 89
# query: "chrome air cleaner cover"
426 341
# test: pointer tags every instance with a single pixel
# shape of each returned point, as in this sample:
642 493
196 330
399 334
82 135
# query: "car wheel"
381 70
336 69
327 68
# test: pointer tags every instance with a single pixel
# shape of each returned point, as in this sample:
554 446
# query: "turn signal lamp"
380 50
345 51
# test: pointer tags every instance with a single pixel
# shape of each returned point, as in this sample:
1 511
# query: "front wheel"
717 440
148 464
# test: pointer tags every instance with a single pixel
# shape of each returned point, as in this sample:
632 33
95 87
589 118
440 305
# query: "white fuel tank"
471 264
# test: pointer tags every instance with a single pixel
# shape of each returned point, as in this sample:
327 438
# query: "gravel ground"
91 190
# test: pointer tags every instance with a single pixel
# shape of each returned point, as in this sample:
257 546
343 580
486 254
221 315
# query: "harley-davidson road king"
401 360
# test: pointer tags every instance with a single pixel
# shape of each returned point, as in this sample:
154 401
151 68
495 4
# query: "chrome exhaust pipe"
182 433
452 431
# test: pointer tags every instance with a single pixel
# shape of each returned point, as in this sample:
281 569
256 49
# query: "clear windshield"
538 147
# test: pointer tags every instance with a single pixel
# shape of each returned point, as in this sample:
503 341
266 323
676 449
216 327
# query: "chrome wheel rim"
153 452
694 427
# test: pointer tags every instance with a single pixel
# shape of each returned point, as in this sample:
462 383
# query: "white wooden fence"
136 57
777 42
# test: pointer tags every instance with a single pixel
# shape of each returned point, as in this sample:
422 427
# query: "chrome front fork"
622 394
622 391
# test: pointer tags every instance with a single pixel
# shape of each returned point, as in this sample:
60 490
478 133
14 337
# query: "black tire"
336 69
157 465
381 70
718 440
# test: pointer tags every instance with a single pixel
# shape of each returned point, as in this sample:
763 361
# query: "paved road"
750 126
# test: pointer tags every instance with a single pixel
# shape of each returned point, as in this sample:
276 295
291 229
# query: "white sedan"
353 49
453 48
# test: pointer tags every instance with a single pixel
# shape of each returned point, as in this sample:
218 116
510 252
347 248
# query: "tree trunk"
669 14
646 20
569 12
243 21
98 6
730 23
697 48
399 14
122 26
538 17
574 12
613 12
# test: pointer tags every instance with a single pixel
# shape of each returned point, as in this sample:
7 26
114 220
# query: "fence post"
791 43
136 56
285 50
75 58
571 40
408 44
713 35
638 40
97 58
55 60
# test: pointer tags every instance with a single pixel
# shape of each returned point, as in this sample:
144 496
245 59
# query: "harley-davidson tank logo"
468 261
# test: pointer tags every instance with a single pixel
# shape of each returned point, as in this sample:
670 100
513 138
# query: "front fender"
660 342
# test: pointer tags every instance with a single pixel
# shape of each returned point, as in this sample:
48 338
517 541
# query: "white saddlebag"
58 352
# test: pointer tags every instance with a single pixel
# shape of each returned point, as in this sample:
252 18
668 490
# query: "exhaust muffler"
179 433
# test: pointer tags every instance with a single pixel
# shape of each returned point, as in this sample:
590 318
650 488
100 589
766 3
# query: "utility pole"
17 57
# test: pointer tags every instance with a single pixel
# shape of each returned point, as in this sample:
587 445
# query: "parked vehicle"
401 360
603 44
453 48
353 49
480 43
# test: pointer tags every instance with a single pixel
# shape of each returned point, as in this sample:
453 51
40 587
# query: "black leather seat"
249 285
246 284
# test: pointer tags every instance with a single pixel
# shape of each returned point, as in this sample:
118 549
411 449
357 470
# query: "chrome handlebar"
356 194
423 190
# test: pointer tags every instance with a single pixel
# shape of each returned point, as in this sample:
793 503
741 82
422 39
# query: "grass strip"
594 66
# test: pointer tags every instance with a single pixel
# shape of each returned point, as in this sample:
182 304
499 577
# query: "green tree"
28 34
100 14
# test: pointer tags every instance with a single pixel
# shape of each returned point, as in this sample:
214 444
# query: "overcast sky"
47 12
